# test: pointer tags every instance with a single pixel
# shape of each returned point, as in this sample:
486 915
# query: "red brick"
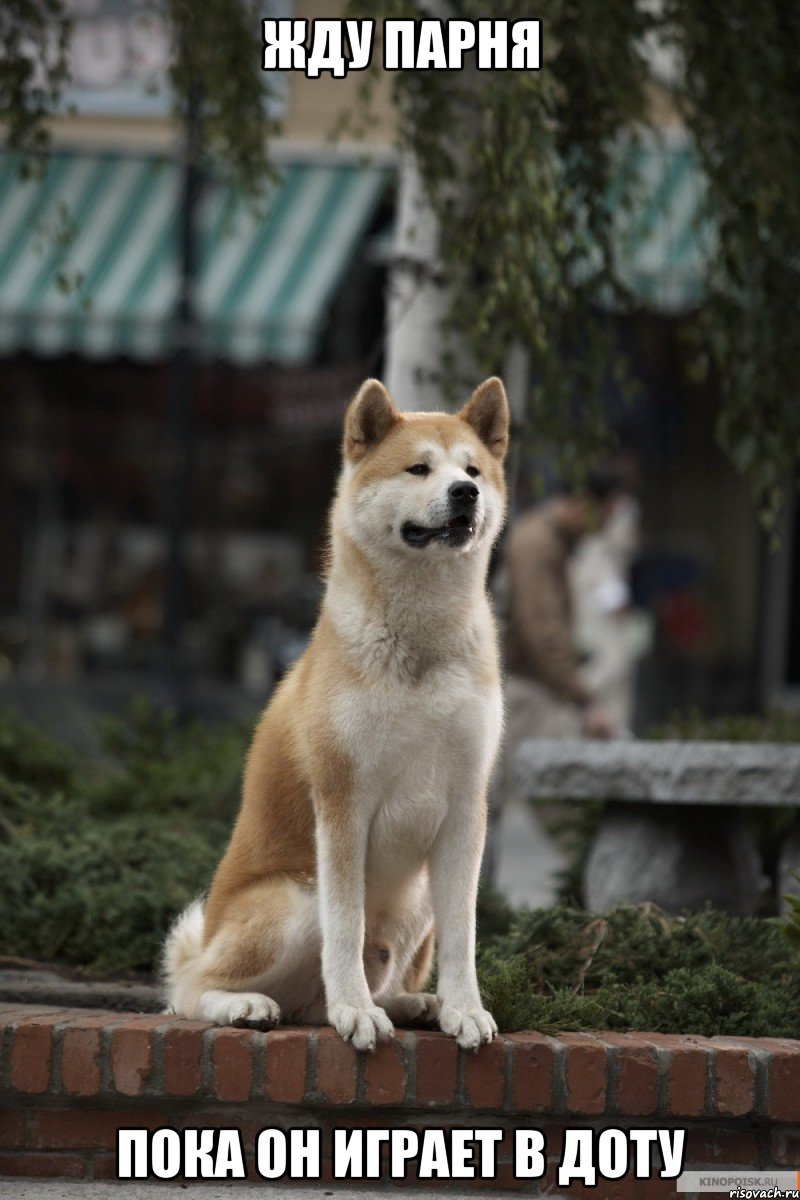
734 1083
285 1080
687 1073
637 1074
784 1085
104 1166
752 1043
84 1129
437 1061
585 1074
337 1065
12 1128
51 1166
131 1059
483 1075
385 1073
31 1054
785 1148
531 1073
12 1013
95 1018
724 1147
80 1061
232 1063
182 1049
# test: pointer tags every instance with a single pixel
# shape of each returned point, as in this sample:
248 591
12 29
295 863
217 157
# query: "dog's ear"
369 418
487 412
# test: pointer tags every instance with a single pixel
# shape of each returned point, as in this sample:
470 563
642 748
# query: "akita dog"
363 814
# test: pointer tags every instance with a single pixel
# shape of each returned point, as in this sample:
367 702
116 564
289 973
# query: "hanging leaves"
742 105
520 167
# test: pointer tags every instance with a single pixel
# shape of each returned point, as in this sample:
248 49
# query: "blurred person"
611 634
547 695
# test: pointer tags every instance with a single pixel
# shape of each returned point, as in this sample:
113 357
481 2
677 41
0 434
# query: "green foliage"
519 167
742 105
494 915
28 755
692 725
792 922
217 63
566 947
100 894
32 33
96 861
637 968
161 765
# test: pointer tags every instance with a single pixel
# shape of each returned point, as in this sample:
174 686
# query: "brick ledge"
70 1077
79 1053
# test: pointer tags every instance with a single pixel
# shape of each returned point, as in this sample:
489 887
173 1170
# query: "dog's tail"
182 950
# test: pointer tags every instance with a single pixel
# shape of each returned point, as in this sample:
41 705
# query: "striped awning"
89 257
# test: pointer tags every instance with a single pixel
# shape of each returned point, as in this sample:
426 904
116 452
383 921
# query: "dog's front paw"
469 1026
361 1026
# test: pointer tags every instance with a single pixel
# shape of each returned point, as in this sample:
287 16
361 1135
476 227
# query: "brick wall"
69 1078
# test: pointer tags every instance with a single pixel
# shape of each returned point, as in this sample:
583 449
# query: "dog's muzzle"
462 498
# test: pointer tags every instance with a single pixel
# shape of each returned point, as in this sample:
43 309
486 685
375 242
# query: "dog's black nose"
462 494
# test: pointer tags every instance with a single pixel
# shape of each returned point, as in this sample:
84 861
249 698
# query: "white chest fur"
417 750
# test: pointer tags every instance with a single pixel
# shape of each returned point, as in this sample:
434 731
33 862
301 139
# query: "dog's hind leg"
411 1004
252 1009
261 959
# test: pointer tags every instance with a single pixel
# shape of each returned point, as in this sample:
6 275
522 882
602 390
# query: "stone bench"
672 832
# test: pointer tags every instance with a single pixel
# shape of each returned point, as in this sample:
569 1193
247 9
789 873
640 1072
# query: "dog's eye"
472 471
419 469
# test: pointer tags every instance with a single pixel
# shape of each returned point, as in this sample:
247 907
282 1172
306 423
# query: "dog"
363 812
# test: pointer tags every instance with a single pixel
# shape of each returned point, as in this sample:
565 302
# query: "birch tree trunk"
418 298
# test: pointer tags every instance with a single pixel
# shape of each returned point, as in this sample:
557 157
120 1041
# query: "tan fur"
418 973
301 782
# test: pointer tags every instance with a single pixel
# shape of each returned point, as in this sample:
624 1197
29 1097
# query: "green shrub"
710 1002
567 947
160 765
100 894
95 863
30 756
637 968
691 725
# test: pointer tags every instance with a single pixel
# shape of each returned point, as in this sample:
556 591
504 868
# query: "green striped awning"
88 257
